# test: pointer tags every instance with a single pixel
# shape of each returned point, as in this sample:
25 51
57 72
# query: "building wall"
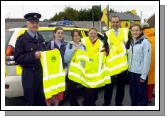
127 23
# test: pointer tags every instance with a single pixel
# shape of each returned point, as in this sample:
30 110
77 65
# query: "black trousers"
90 96
138 90
71 92
118 80
33 87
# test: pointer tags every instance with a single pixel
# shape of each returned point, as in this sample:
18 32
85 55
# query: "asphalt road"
19 101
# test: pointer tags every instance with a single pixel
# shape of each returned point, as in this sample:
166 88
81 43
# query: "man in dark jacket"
27 55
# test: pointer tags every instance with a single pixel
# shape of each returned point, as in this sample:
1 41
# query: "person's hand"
37 54
105 53
142 80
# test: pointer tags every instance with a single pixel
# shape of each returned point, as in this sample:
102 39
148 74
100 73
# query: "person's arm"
146 60
21 57
68 54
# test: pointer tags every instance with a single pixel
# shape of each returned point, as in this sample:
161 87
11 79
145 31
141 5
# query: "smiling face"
76 37
115 22
33 26
92 34
136 32
59 34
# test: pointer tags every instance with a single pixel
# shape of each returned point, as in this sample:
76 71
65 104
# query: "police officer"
27 55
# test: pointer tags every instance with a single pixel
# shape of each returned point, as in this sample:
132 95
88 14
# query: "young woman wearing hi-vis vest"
88 67
71 48
57 85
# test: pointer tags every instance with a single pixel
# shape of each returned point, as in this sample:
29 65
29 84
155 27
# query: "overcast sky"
48 11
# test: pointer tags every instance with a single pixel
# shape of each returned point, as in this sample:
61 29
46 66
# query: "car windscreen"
48 35
8 35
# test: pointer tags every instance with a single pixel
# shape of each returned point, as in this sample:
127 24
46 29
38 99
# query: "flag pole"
92 16
100 15
108 15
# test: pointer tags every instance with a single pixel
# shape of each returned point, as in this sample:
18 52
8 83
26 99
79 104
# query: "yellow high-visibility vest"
117 58
5 71
18 70
92 48
89 69
53 73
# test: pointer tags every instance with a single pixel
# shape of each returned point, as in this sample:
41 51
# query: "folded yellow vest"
89 69
53 73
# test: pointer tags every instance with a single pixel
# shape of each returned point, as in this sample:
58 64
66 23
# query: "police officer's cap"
33 17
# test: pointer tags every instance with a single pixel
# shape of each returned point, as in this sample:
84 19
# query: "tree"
97 12
81 15
112 11
68 13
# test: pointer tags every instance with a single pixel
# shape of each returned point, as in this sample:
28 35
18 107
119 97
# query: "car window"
67 35
8 35
48 35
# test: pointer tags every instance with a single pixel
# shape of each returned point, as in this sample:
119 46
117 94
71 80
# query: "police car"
13 84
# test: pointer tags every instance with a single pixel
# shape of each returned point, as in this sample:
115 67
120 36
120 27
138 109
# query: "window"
48 35
8 35
67 35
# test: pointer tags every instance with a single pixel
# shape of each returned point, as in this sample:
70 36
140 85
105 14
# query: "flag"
133 12
105 18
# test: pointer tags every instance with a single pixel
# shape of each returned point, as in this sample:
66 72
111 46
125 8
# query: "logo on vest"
90 59
53 58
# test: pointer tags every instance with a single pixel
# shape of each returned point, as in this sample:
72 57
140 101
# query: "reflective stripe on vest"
122 35
93 74
18 70
53 73
117 58
93 48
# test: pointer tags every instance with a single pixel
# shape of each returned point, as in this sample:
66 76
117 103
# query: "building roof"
125 16
151 21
